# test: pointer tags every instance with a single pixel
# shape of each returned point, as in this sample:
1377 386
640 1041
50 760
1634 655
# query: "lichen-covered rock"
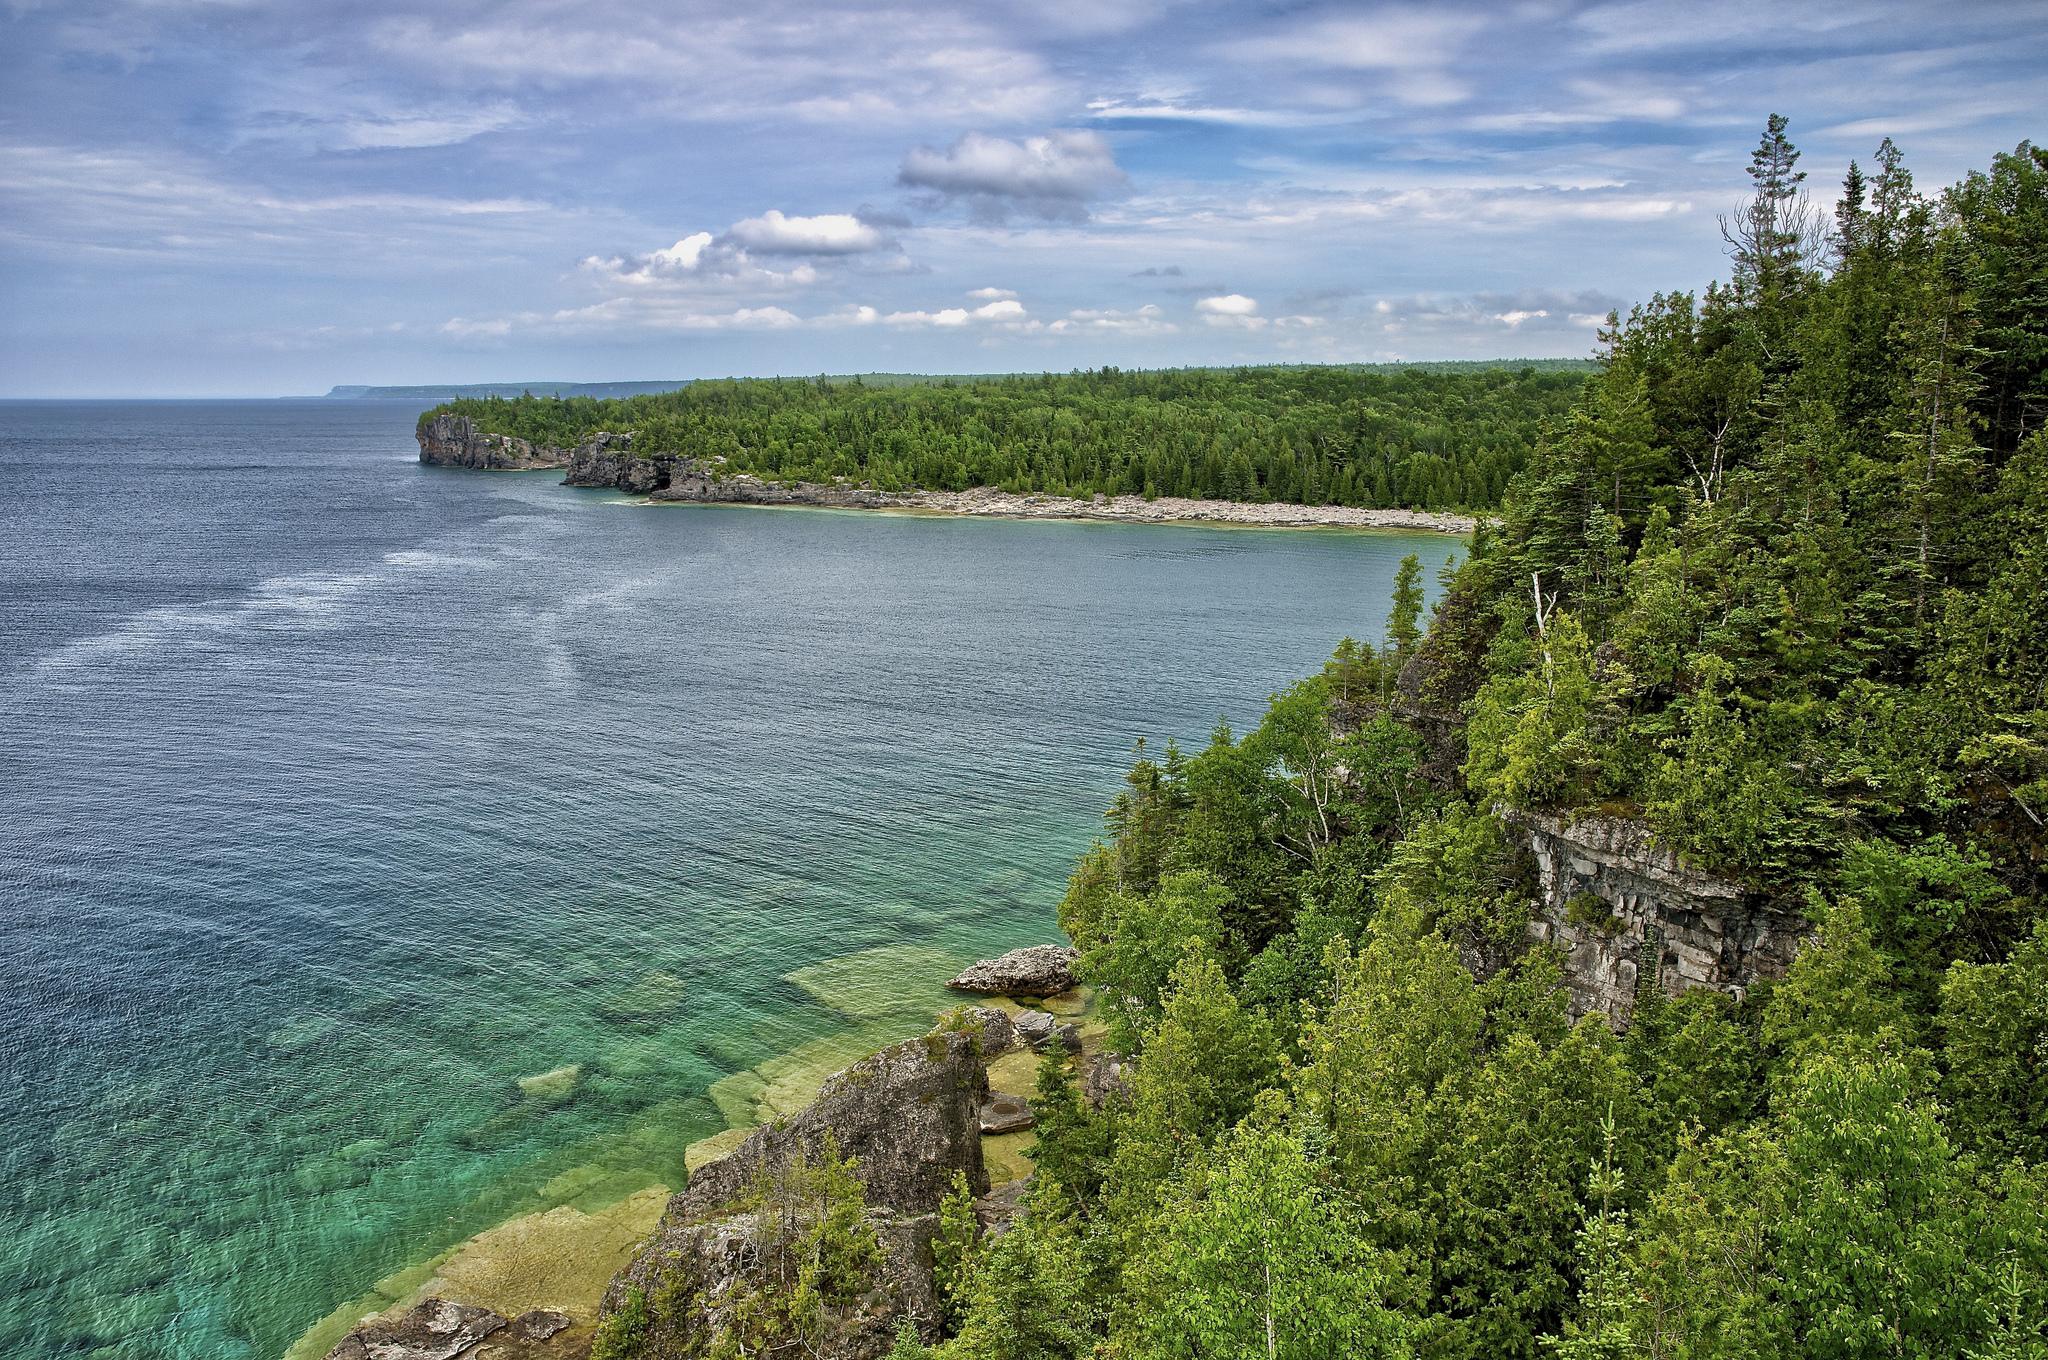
998 1031
998 1209
909 1118
608 460
1035 1027
910 1115
1041 970
1105 1076
698 1280
1614 901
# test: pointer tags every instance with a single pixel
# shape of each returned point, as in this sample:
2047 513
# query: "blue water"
337 794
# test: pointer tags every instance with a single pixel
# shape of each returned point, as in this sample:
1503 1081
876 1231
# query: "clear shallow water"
337 794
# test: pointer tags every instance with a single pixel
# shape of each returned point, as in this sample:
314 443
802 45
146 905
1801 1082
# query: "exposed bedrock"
910 1117
1617 903
440 1330
452 441
1041 970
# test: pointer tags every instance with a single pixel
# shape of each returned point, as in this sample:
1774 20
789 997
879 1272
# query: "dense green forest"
1779 585
1444 436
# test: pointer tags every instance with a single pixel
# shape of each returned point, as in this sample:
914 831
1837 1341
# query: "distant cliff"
608 460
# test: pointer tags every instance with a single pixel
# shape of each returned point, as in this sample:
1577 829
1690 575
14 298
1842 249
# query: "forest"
1775 586
1433 436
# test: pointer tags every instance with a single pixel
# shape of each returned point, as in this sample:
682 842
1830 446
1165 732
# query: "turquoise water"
337 794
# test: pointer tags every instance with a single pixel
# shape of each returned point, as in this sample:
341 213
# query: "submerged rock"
436 1330
1041 970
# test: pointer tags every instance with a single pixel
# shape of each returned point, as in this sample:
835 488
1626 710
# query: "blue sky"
233 197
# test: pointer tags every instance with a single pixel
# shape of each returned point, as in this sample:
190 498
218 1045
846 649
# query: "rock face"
1041 970
1615 902
910 1117
911 1114
451 441
440 1330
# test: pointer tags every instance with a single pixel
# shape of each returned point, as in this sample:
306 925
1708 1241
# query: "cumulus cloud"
1229 304
773 251
992 294
772 233
1055 176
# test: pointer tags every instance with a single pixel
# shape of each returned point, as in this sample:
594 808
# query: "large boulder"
910 1116
1041 970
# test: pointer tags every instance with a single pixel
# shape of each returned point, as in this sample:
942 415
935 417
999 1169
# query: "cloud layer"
241 196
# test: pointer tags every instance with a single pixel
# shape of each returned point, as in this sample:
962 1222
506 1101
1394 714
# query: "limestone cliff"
909 1117
1615 902
451 441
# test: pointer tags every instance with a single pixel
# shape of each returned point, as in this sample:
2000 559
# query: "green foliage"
1414 436
1776 585
1605 1327
953 1248
1073 1142
622 1333
1255 1257
1994 1022
1029 1294
1143 939
1404 629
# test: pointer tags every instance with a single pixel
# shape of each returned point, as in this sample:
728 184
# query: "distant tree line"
1428 437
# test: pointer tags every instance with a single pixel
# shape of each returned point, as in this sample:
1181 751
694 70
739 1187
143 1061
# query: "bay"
388 850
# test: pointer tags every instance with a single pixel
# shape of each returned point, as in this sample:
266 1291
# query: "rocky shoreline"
910 1116
608 460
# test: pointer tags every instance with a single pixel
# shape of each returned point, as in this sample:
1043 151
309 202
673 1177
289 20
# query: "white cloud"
1003 311
702 260
1512 319
1053 176
772 233
1146 320
991 294
1229 304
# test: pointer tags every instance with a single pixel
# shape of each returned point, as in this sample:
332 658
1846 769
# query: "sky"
232 197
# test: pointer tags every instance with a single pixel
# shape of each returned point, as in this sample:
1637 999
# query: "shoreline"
991 503
561 1254
608 462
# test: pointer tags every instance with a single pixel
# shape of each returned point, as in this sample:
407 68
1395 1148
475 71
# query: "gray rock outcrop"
1041 970
1615 902
1006 1113
440 1330
452 441
909 1117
